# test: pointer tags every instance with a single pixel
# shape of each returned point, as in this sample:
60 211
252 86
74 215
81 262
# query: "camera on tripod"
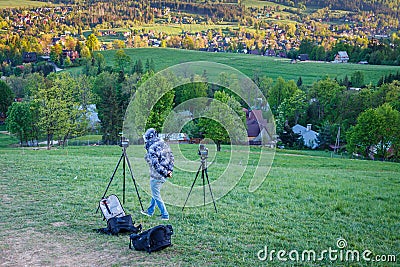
203 151
124 141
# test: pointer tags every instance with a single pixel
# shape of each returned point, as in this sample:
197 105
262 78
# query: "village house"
310 137
259 130
341 57
29 57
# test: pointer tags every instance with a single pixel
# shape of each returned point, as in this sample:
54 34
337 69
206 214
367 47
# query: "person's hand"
169 175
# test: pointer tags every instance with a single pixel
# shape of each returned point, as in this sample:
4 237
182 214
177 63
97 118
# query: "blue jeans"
155 186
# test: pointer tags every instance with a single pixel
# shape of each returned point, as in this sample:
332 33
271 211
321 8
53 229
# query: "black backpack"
154 239
117 220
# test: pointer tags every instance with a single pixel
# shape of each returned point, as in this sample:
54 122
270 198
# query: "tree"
56 53
327 134
92 43
111 105
299 82
19 120
357 79
121 60
138 67
59 112
221 124
6 97
392 94
190 91
291 110
152 103
379 128
325 95
100 62
280 91
150 66
162 108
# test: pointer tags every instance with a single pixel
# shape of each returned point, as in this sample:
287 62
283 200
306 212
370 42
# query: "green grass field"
308 201
21 3
250 64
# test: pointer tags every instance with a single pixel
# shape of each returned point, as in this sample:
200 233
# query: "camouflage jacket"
160 158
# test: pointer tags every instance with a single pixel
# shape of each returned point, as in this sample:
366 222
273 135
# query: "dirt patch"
59 224
32 248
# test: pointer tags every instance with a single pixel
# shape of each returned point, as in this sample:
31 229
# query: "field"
21 3
249 64
308 202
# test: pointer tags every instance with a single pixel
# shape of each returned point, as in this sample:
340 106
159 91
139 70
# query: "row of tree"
328 106
56 106
376 53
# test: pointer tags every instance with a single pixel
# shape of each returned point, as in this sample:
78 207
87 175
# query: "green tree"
291 110
357 79
327 134
100 62
379 128
6 96
151 104
162 108
19 120
392 91
59 112
138 67
221 117
280 91
111 104
121 60
325 95
150 66
190 91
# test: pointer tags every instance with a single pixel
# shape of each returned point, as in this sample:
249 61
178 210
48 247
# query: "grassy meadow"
308 201
21 3
250 64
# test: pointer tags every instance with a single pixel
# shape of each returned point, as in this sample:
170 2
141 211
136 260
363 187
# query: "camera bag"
123 224
153 239
117 220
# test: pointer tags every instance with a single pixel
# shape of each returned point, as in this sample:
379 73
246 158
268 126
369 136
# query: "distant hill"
391 7
250 65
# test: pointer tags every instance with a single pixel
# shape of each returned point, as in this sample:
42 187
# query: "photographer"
161 163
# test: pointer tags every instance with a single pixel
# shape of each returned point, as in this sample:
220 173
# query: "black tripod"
203 168
124 158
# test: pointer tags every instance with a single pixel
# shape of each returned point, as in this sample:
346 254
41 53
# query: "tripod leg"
112 177
209 186
197 174
204 188
134 181
123 183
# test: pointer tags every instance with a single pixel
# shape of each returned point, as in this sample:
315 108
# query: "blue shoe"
145 213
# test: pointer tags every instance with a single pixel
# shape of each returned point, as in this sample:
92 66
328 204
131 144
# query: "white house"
309 136
341 57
